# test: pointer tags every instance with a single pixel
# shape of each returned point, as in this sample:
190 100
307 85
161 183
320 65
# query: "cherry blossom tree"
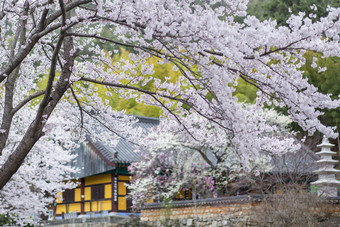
171 160
51 65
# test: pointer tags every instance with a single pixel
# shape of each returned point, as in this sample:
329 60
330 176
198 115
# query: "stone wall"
199 211
236 220
229 211
216 221
209 208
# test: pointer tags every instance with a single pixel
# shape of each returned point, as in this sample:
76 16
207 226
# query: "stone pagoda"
326 184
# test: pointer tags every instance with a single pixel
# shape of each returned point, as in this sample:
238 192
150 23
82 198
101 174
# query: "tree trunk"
47 105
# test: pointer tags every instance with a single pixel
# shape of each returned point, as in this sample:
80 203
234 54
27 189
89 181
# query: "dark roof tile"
125 150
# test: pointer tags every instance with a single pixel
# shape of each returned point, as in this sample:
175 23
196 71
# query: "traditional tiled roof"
203 202
95 157
249 198
125 150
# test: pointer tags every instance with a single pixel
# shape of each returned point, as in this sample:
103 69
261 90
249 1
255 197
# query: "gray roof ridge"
146 119
124 147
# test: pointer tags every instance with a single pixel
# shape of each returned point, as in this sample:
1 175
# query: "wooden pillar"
114 186
82 196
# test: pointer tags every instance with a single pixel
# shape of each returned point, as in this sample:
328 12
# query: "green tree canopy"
281 10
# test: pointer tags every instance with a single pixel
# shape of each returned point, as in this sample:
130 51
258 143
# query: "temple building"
102 178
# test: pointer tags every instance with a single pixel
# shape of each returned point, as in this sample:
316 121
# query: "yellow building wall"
87 193
98 179
98 205
121 188
74 207
87 207
123 177
121 203
61 208
95 205
77 194
106 205
108 191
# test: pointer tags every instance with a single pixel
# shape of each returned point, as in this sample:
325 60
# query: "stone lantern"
326 184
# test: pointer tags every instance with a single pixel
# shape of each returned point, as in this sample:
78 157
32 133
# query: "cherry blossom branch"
95 36
42 30
174 60
174 115
25 51
135 89
26 100
278 49
51 77
71 5
10 84
35 130
79 106
244 76
107 127
154 94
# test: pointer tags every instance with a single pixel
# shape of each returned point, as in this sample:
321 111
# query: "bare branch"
154 94
42 22
63 13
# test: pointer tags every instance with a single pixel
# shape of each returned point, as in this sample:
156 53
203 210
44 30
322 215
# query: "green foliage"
245 92
327 82
278 9
256 8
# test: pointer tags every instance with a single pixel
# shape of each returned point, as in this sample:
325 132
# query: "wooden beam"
82 196
114 187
